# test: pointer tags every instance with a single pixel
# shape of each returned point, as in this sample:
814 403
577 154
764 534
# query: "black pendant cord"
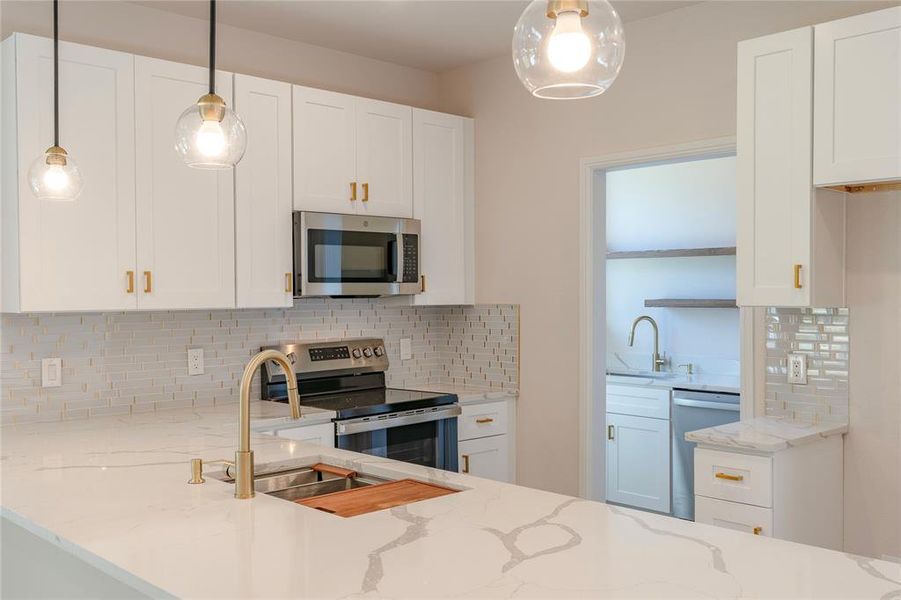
55 72
212 46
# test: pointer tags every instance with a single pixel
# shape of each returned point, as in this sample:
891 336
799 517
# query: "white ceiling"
434 35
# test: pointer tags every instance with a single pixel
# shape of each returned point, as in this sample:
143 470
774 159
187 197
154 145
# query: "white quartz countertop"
468 394
113 491
767 434
701 382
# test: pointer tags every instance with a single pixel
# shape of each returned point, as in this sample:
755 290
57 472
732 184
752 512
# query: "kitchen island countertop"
113 492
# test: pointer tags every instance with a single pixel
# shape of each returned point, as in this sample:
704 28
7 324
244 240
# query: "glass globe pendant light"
54 175
565 49
209 134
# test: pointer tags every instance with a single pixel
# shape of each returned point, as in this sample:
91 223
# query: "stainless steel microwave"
353 255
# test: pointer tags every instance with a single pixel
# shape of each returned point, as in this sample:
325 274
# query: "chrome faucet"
244 455
658 360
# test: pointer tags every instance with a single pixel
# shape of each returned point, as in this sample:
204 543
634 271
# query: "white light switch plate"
797 368
51 372
406 348
195 361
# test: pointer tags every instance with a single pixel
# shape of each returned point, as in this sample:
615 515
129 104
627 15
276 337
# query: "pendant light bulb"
209 134
568 48
55 176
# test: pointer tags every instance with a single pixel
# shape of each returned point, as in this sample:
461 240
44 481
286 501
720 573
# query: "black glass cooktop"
376 401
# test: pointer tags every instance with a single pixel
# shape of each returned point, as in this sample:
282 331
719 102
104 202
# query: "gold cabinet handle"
353 191
485 420
757 530
797 277
729 477
365 192
131 282
289 280
466 463
422 283
609 432
148 282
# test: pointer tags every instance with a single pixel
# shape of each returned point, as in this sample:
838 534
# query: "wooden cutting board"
359 501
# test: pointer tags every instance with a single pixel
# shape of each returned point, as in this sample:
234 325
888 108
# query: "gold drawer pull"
485 420
422 283
466 463
757 530
131 282
798 277
729 477
353 191
365 192
609 432
288 281
148 282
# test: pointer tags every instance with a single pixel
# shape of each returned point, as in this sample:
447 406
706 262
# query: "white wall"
151 32
688 204
677 85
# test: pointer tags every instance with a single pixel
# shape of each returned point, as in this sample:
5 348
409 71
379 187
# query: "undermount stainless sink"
298 483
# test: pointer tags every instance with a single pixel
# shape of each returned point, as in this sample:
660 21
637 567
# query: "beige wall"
151 32
677 85
873 444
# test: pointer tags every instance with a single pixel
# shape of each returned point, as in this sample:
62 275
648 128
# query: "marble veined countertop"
701 382
767 434
112 491
468 394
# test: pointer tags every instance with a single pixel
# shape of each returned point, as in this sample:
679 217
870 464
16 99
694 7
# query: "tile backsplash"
821 334
119 363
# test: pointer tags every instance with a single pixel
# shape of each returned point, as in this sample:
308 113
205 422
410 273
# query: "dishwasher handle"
705 404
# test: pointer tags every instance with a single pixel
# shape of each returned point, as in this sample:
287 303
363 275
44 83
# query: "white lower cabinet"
793 494
638 462
486 440
321 435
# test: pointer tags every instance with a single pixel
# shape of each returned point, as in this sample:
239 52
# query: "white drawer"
482 420
734 515
638 401
734 477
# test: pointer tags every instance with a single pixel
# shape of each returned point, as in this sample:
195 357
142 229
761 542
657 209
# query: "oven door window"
424 444
351 256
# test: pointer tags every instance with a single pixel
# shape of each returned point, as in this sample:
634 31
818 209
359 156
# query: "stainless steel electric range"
348 377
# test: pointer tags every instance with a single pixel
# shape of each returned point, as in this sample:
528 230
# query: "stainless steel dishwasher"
692 411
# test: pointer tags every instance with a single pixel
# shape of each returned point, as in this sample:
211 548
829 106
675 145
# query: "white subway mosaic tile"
116 363
822 335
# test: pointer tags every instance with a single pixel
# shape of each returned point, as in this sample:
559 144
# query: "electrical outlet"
406 348
195 361
797 368
51 372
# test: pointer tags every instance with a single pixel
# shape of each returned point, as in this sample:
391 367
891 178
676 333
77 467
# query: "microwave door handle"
399 258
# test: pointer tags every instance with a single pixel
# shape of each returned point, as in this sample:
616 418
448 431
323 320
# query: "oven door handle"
363 425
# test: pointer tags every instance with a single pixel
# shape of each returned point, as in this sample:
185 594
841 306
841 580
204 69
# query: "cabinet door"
76 255
443 203
324 151
384 158
734 515
774 194
486 457
263 198
857 95
638 462
185 216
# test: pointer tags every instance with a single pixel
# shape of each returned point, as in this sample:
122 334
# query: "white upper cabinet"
324 151
263 199
68 255
185 216
384 158
790 240
857 99
443 201
352 155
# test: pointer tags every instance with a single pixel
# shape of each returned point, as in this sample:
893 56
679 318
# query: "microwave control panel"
411 258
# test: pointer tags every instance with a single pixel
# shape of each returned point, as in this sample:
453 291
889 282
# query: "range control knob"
379 351
356 353
367 352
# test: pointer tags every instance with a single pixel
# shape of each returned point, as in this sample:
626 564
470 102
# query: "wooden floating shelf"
673 253
690 303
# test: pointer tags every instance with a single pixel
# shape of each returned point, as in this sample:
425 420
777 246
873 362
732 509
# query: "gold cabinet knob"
757 530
